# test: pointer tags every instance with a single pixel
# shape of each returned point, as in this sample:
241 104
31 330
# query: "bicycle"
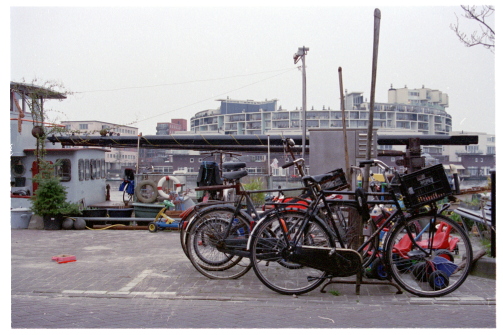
216 236
214 239
426 253
127 186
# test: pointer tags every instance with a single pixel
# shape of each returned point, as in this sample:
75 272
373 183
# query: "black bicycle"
427 254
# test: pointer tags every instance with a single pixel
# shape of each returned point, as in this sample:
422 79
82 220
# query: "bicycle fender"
271 213
196 216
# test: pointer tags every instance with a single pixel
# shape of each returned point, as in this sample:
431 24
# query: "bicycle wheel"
436 263
127 197
216 250
269 254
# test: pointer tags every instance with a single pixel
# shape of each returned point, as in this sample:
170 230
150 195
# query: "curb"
484 267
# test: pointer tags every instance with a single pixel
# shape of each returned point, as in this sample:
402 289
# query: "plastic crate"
335 181
424 186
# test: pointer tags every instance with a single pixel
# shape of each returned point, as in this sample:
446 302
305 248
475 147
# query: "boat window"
103 168
92 167
87 169
18 168
64 169
81 169
98 169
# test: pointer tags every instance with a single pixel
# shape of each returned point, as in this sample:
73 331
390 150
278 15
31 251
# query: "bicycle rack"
358 282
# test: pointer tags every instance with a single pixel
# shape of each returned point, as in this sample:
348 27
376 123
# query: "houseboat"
81 170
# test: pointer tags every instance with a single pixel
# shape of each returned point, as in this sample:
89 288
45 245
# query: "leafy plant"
50 196
455 217
253 185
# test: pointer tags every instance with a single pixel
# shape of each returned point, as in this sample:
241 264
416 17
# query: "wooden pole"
377 23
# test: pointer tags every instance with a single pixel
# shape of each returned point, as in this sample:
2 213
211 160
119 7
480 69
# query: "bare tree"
484 37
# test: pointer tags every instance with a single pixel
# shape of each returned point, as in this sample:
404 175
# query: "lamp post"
301 54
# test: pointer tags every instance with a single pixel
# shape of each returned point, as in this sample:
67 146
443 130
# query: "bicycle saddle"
318 178
233 166
234 174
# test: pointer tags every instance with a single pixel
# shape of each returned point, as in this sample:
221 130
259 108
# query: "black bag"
209 174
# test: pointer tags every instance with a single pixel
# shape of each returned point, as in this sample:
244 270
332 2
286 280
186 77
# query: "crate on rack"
334 181
424 186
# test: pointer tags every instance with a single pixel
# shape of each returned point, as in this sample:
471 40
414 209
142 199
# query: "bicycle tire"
277 272
183 231
195 215
207 234
413 270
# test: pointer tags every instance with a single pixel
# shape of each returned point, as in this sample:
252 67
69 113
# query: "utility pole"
301 54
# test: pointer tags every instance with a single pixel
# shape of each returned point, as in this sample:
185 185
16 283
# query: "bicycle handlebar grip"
288 165
363 163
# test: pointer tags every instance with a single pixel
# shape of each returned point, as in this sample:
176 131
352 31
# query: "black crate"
424 186
335 180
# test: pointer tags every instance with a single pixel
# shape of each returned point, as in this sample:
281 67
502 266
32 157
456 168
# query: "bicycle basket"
335 180
424 186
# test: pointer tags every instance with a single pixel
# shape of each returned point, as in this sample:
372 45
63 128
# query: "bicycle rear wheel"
436 263
208 246
269 254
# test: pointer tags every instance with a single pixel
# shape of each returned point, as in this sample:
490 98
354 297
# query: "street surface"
137 279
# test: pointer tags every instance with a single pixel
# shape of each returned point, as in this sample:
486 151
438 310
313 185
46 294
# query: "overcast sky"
139 66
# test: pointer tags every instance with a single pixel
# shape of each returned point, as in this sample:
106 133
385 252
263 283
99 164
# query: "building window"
83 126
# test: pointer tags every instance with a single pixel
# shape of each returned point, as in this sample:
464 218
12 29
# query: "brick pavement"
138 269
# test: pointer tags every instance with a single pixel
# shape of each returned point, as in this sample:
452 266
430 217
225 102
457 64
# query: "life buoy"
176 183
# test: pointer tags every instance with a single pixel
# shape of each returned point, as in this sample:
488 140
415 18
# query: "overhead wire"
213 97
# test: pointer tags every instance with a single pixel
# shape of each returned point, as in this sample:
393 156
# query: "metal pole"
304 104
346 153
138 154
493 213
377 22
301 54
269 167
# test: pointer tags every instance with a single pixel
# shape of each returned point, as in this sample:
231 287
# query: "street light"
301 54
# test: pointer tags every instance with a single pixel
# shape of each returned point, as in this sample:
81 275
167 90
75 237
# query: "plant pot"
53 222
20 218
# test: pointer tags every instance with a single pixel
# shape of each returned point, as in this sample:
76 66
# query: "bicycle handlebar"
292 163
375 162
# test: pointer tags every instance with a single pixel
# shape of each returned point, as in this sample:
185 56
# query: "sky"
141 65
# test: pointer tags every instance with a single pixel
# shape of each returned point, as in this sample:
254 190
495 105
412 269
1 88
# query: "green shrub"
50 195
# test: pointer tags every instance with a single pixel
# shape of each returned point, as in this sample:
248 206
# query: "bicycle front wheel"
269 248
429 256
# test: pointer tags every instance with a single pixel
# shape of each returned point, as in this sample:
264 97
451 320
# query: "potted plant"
49 199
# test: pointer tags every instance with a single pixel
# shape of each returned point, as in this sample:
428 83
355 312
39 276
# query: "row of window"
113 155
85 126
88 169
